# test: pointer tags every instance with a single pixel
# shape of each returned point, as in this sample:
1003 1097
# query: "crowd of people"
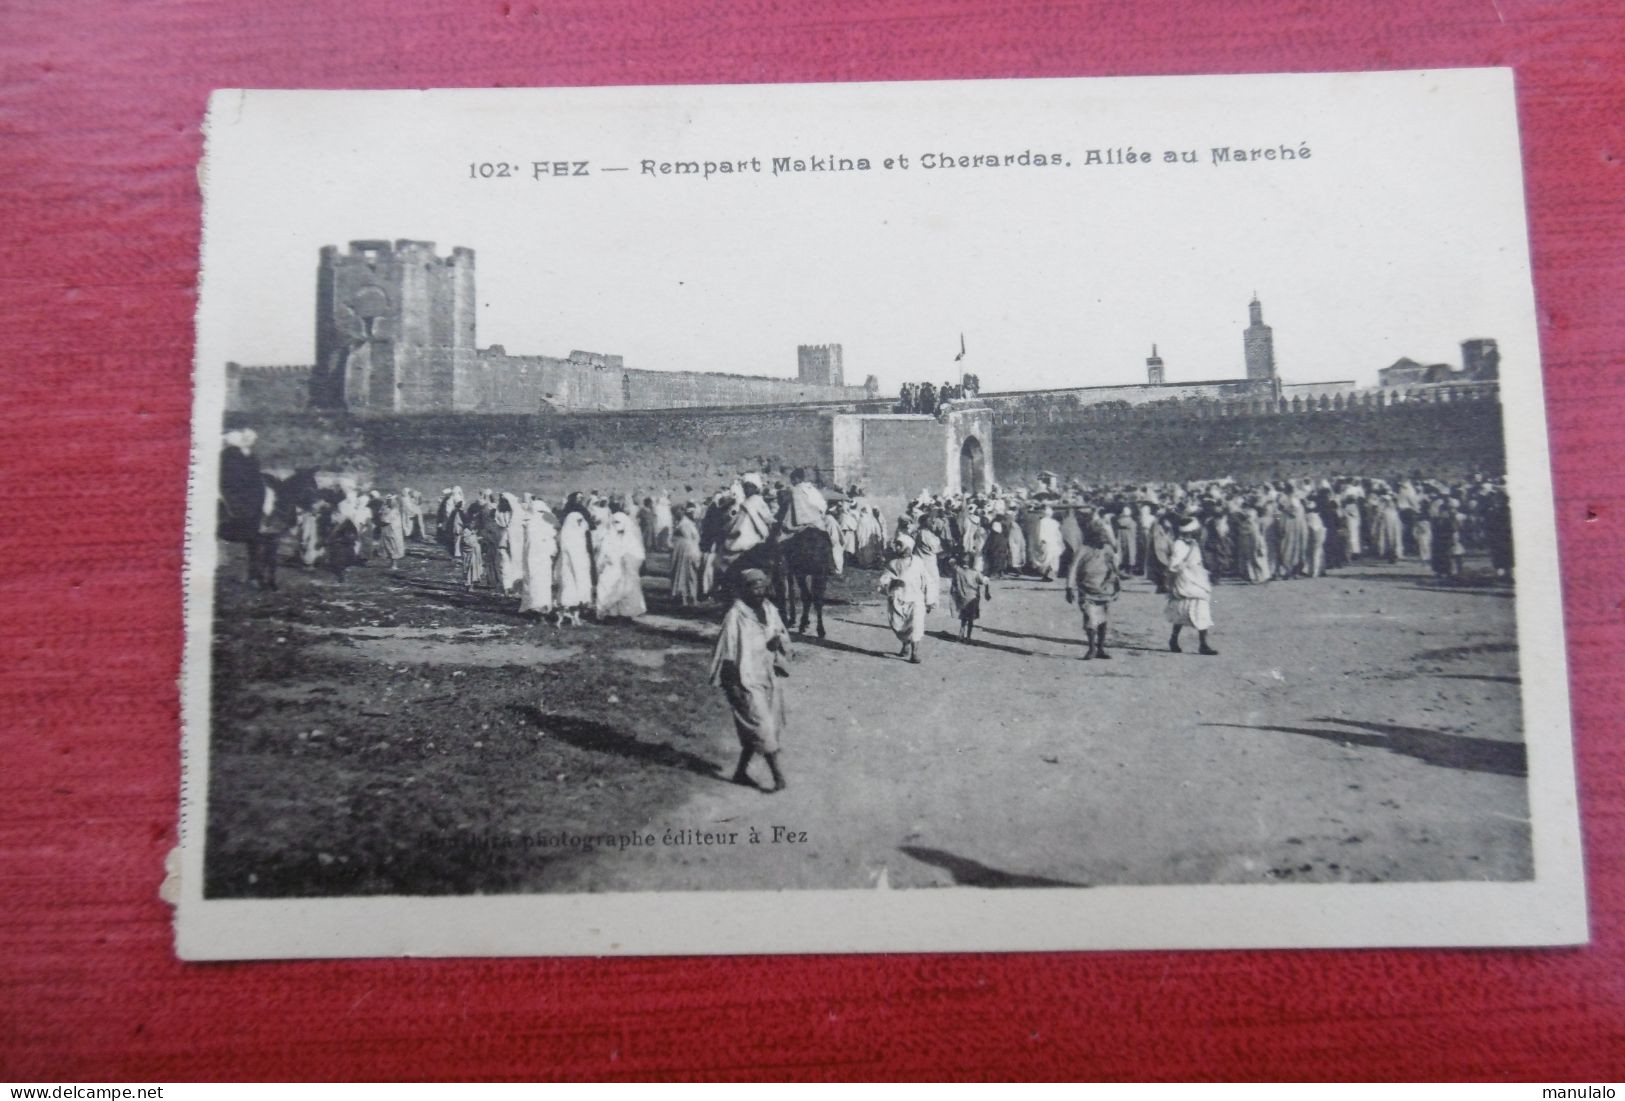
923 397
586 558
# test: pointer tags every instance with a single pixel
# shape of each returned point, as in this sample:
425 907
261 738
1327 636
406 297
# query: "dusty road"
394 735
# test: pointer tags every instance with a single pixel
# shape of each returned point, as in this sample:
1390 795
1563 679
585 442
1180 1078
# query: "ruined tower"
394 327
1258 343
819 364
1153 368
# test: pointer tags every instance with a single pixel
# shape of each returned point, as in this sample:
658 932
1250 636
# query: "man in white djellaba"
1190 591
541 545
574 565
909 592
1047 556
748 665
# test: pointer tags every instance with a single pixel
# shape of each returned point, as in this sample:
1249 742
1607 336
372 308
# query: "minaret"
1153 368
1258 343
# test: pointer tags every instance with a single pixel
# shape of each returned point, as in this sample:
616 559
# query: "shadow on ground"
968 873
597 737
1453 751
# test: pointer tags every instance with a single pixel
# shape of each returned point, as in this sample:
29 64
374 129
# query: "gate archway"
972 466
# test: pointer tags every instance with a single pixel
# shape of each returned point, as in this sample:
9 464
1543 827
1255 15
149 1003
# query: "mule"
799 563
806 560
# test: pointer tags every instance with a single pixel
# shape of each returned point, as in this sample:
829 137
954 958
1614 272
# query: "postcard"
979 515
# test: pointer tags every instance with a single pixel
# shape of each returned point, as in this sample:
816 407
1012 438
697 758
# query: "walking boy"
1094 582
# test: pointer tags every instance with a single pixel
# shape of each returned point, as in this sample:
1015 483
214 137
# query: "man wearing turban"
749 665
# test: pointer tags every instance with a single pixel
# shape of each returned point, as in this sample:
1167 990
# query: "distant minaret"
1259 344
1153 368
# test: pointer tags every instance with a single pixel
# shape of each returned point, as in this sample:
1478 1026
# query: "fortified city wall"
274 388
1448 431
496 382
616 452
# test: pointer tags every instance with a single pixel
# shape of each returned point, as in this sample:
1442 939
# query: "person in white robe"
1190 590
574 566
848 522
1315 550
928 548
686 559
620 568
449 521
803 507
308 530
664 523
1018 543
837 545
749 664
541 546
1050 545
907 590
1352 538
606 558
974 540
392 531
751 525
871 536
510 543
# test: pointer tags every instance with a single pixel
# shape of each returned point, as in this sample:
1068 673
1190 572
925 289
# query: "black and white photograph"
986 515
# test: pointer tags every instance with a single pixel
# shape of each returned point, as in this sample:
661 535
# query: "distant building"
394 326
1154 375
1481 362
1407 372
1258 344
819 364
395 333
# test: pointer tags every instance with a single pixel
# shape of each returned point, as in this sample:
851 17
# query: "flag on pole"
961 354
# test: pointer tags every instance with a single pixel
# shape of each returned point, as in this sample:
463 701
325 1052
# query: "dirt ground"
392 734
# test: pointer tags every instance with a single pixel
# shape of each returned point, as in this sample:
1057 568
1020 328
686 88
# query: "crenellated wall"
497 382
1444 431
613 452
1440 430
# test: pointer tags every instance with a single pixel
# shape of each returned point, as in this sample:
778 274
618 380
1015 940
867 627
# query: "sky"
1401 234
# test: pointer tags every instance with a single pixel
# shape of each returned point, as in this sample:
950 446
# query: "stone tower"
819 364
394 328
1259 344
1153 368
1480 360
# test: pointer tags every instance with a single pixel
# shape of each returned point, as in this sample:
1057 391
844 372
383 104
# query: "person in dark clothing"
242 488
996 550
1498 533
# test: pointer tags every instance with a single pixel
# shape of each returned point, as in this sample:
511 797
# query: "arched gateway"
972 467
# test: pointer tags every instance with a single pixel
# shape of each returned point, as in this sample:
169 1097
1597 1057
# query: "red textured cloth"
99 120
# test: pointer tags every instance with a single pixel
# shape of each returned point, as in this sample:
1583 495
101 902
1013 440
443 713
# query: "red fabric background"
100 112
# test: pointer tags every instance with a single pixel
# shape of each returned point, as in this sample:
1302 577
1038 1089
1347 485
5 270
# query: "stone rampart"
612 452
1445 431
496 382
267 388
1439 430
